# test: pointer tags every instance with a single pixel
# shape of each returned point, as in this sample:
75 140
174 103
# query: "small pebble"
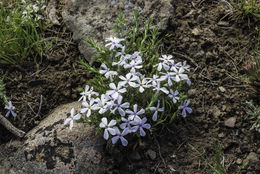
151 154
221 135
239 161
230 122
222 89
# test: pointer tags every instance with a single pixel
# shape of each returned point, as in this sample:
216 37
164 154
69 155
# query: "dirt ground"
215 42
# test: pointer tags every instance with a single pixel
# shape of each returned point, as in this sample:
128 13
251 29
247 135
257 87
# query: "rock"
151 154
239 161
252 157
216 111
222 89
135 156
200 19
230 122
96 19
196 32
258 150
221 135
192 92
52 147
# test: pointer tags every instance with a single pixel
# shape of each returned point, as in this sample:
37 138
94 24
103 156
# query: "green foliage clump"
248 8
254 112
20 28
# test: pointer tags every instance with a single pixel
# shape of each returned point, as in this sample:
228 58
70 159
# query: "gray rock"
230 122
52 147
135 156
96 19
151 154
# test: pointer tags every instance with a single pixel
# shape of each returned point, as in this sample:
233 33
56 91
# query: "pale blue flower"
102 104
87 93
120 107
72 118
107 72
134 65
167 76
185 108
128 79
120 136
156 109
178 74
135 113
158 89
141 124
116 91
10 109
126 123
88 107
173 95
141 84
108 127
114 42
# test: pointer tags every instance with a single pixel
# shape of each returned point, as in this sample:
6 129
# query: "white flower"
121 62
133 115
114 42
179 74
158 89
128 79
118 106
102 104
87 93
156 109
136 56
185 66
165 61
154 80
141 84
134 65
108 127
167 76
115 90
88 107
107 72
72 118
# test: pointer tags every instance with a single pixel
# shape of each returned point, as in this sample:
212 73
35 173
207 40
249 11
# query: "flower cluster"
123 104
32 10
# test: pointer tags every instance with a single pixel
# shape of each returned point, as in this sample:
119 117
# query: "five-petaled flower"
72 118
120 136
185 108
88 106
141 124
173 95
118 106
87 93
108 127
10 109
116 91
156 109
114 42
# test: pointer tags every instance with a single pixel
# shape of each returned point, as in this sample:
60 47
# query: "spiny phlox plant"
132 101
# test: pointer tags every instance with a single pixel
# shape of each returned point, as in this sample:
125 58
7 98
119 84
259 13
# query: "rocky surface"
96 19
52 147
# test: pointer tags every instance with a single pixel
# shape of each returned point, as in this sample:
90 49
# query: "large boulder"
52 147
96 19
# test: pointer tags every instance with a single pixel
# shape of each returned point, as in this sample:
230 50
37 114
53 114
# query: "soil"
215 42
